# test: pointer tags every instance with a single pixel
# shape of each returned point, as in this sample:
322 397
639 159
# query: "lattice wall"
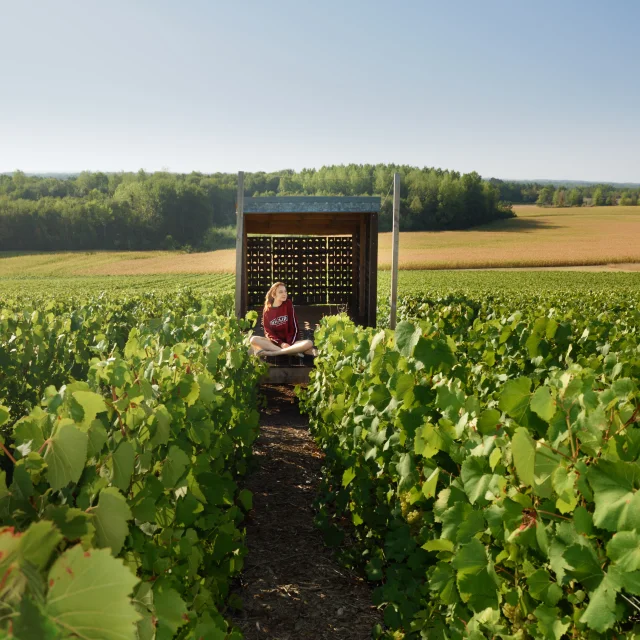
340 269
316 270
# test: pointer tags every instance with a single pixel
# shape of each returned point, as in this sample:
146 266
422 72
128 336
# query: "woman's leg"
264 344
301 346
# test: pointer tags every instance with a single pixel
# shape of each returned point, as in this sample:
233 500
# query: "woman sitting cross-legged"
280 327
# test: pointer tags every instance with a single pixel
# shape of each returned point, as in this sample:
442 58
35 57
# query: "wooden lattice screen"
316 270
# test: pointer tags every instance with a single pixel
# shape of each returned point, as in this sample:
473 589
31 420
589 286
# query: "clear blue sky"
509 88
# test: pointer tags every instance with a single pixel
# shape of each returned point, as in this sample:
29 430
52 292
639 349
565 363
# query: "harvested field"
117 263
536 238
585 236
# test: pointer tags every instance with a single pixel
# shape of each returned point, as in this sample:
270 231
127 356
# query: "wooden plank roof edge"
312 204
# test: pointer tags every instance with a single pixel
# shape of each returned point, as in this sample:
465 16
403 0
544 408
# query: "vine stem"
555 515
631 602
9 454
631 420
564 455
573 446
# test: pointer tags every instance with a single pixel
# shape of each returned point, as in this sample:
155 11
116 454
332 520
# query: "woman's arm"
268 333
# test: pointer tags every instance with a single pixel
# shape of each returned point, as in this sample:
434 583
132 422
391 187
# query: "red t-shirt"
280 324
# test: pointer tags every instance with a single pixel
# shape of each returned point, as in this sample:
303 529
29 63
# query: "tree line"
567 194
95 210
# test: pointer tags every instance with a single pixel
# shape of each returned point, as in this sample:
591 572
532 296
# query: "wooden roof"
312 204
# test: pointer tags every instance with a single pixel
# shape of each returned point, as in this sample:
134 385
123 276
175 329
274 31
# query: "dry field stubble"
536 238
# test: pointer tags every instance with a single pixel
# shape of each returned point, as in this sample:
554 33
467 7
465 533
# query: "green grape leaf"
535 464
170 609
550 622
190 389
89 595
160 426
3 485
624 550
97 438
65 456
543 403
73 523
523 448
430 484
28 431
91 404
488 421
174 466
123 461
111 517
600 614
615 488
442 581
541 587
583 565
407 336
515 397
348 475
4 415
564 484
476 583
38 543
433 354
245 498
475 479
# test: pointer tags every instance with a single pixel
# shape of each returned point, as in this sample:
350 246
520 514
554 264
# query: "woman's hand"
284 345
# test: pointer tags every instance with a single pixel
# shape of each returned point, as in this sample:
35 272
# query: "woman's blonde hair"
271 295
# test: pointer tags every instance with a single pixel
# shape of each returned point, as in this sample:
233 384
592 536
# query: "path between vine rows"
292 588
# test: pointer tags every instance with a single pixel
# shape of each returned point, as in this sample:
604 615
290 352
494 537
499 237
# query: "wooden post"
361 266
372 292
394 250
240 251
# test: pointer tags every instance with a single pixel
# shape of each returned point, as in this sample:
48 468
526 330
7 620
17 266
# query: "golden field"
536 238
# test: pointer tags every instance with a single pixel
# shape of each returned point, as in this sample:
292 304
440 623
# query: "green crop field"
482 460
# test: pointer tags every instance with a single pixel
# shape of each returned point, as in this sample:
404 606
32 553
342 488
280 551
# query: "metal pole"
239 242
394 249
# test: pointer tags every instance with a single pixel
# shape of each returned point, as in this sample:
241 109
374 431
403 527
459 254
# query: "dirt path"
291 587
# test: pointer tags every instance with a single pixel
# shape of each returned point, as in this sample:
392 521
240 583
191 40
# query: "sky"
513 89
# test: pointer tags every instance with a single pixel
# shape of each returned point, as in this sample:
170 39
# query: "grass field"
536 238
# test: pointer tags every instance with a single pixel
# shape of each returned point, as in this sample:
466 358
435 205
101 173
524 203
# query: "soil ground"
292 588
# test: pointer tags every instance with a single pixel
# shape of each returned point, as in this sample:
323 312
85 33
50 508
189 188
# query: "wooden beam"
372 294
362 242
240 251
277 228
394 250
297 219
306 213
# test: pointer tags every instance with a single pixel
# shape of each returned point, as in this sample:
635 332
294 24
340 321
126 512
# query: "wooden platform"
286 375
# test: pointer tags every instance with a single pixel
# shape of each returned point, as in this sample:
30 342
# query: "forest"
95 210
196 211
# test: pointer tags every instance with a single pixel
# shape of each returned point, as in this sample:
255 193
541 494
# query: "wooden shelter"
325 249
